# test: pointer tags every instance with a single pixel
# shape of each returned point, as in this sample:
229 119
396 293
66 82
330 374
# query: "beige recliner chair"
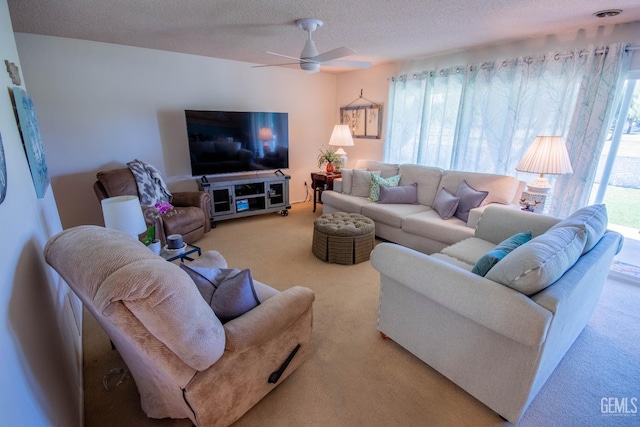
185 362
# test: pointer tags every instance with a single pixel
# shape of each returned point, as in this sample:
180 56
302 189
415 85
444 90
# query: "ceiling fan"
310 60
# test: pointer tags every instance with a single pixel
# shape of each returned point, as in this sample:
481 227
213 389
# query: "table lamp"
546 155
124 213
266 136
341 136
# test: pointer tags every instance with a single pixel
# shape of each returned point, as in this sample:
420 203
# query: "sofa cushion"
387 170
403 194
361 182
537 264
429 224
445 204
468 250
344 202
491 258
502 189
427 178
229 292
392 215
594 218
469 198
377 181
453 261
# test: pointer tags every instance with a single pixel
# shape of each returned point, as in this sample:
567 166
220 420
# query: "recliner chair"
185 362
192 207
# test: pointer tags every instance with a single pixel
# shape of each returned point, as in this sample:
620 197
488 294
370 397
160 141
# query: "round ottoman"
343 238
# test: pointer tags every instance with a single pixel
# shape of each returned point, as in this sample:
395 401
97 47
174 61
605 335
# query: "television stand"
238 196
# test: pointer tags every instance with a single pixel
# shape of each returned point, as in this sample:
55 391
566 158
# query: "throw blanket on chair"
151 186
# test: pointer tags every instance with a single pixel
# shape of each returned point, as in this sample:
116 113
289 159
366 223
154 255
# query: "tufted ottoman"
343 238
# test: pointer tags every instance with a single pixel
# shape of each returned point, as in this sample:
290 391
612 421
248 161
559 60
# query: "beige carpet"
353 377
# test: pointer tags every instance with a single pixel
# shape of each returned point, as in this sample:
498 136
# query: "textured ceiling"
379 30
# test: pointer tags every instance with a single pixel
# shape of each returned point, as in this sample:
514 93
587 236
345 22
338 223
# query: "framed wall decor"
365 121
28 124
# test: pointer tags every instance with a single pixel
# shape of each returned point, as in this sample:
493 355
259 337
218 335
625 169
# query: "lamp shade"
265 134
546 155
341 136
124 213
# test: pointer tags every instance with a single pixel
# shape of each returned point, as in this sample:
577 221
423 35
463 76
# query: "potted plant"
161 209
331 159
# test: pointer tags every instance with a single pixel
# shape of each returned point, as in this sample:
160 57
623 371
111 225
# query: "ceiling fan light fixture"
607 13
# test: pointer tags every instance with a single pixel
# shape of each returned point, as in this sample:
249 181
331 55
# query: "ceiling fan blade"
334 54
275 65
349 64
284 56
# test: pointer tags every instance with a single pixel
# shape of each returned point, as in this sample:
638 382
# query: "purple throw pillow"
469 198
445 204
229 292
405 194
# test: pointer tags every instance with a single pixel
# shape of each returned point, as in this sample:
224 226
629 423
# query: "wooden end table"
321 181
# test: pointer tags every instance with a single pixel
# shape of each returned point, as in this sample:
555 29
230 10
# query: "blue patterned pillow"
377 181
491 258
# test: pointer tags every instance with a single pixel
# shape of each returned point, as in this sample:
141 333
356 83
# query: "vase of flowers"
161 209
330 159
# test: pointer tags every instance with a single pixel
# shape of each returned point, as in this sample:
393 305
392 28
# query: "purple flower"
163 207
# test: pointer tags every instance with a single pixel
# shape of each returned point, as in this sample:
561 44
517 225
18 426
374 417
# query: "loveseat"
408 216
498 336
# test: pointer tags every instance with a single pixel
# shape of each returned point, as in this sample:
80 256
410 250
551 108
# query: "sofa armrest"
268 320
499 222
483 301
191 198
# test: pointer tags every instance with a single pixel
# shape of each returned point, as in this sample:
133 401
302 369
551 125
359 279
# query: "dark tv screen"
233 141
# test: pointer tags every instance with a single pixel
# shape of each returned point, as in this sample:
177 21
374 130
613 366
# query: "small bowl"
175 251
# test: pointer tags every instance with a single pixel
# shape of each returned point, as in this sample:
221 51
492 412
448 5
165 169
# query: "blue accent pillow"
229 292
491 258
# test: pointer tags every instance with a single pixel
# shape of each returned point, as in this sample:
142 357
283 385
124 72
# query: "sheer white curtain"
483 117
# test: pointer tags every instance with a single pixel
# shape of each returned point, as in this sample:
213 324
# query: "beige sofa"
419 226
500 336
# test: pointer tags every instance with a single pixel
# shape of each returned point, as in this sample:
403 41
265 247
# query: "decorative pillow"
377 181
532 267
361 181
445 203
405 194
229 292
469 198
346 175
594 218
491 258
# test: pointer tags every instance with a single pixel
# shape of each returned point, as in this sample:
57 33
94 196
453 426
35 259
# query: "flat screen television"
222 142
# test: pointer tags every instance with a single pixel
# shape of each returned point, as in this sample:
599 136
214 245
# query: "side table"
189 250
321 181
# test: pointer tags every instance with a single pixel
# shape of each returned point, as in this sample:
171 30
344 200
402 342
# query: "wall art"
3 172
365 120
28 124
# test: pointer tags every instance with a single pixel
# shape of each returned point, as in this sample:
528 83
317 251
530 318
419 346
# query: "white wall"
40 348
102 105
